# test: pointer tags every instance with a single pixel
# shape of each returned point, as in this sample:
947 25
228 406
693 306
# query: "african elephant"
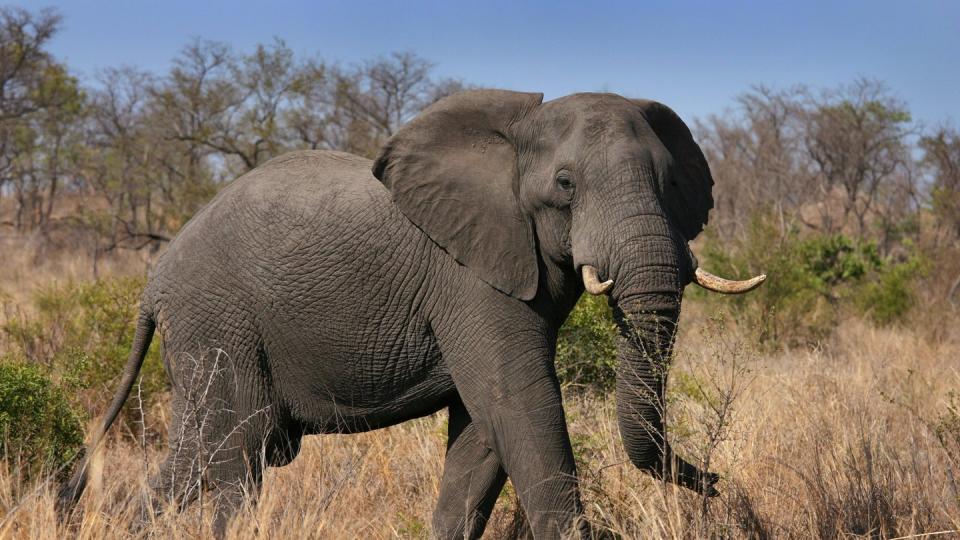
323 293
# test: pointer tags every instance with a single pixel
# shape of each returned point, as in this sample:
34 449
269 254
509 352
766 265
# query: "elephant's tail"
71 491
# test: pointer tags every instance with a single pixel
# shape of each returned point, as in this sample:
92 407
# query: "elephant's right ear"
689 191
452 171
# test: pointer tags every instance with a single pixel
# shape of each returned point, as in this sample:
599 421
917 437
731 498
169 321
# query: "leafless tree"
829 160
754 153
941 157
381 95
118 164
856 137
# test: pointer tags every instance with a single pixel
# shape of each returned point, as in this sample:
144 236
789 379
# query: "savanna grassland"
856 436
828 400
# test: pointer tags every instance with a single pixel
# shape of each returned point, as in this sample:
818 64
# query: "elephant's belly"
352 381
428 397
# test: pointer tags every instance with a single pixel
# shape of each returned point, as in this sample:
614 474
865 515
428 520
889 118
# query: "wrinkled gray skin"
315 296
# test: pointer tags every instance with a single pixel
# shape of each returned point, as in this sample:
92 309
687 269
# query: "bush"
81 333
814 279
889 297
41 429
586 345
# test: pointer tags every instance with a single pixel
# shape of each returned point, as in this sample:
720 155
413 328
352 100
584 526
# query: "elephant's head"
531 195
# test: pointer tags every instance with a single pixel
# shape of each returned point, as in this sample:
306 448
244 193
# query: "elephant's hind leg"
178 482
224 419
472 480
227 467
235 477
236 474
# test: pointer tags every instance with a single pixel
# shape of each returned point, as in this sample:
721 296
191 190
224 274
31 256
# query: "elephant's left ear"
452 171
688 190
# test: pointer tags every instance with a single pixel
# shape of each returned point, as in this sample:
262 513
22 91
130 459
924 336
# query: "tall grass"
853 437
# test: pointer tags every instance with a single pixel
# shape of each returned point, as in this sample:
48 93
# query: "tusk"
591 282
718 284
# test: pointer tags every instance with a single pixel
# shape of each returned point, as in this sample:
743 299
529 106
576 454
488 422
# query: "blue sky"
696 56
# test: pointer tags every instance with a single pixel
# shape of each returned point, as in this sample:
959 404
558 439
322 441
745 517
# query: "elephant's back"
313 209
298 188
300 213
283 202
309 230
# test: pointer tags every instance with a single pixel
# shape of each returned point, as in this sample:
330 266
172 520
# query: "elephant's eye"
564 182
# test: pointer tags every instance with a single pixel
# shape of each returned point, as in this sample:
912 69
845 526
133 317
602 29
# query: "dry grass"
29 263
826 443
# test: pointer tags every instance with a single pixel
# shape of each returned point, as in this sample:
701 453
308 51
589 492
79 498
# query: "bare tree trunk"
18 216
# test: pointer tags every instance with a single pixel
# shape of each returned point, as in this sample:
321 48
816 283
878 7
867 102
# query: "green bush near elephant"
889 297
41 430
81 334
814 280
586 346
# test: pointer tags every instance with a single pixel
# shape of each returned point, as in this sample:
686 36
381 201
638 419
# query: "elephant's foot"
685 474
228 503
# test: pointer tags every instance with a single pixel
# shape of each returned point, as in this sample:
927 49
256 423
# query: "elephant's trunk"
644 347
646 300
647 323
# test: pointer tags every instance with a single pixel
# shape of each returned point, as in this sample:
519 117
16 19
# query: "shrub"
794 304
814 279
82 333
586 346
889 297
41 429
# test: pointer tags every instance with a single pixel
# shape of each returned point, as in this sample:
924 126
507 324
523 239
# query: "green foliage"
814 279
889 297
836 259
686 385
411 526
587 448
789 305
82 334
586 345
41 430
946 206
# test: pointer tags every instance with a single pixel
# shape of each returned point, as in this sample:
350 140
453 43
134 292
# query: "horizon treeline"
143 151
124 159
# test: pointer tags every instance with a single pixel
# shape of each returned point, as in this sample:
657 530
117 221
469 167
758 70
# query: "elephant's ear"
452 170
688 189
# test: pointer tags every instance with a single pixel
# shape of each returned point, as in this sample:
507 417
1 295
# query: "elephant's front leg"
513 397
472 480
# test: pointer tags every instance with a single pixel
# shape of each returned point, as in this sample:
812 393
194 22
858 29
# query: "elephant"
325 293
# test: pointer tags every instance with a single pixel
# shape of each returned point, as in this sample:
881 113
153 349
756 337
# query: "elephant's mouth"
593 285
